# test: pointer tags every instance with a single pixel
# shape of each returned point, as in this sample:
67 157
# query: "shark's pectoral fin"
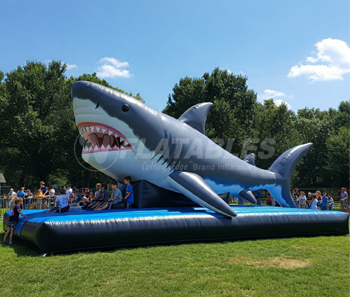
194 187
258 193
248 195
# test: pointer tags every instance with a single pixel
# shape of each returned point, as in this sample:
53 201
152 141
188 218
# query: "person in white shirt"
61 203
69 191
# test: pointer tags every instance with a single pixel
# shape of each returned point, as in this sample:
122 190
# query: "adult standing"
344 200
45 192
28 198
68 192
10 195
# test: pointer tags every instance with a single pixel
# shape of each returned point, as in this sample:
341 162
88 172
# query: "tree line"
39 137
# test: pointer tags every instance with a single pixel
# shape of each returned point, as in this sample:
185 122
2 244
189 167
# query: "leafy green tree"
275 128
37 119
313 126
338 169
234 111
40 138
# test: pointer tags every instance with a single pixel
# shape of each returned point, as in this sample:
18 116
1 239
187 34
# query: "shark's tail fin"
283 168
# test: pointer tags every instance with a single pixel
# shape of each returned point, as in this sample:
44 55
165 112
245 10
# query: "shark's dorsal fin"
250 159
196 116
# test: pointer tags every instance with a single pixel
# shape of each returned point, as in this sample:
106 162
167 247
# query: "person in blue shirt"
21 194
61 203
77 198
116 199
324 202
13 221
129 192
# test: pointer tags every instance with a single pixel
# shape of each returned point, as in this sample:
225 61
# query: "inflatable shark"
125 137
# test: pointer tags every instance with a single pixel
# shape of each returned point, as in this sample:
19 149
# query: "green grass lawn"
317 266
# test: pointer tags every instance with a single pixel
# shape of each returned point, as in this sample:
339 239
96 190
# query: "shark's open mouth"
102 138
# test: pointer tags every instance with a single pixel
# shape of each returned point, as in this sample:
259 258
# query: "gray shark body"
127 137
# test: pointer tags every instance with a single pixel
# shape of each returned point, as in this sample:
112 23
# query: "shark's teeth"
116 143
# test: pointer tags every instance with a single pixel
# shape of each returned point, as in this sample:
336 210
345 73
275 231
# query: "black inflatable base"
79 229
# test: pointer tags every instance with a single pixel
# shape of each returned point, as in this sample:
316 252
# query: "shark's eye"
97 105
125 107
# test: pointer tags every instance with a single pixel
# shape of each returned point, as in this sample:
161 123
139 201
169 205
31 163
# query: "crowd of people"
68 197
315 201
99 199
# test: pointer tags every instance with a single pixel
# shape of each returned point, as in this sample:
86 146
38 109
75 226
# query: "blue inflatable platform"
85 229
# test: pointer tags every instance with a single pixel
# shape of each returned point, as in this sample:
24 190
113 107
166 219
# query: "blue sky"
295 51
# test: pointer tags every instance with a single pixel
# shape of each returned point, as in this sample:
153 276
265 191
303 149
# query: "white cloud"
333 58
111 68
115 62
278 102
71 66
268 94
271 94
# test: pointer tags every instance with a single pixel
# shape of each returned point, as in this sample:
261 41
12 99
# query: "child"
91 195
16 211
116 199
94 200
102 197
61 202
129 192
330 201
309 200
39 196
302 200
324 202
314 204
